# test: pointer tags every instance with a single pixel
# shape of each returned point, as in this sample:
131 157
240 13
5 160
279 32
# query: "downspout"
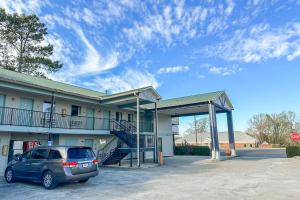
50 138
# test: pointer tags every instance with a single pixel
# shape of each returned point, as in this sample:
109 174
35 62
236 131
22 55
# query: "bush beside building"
192 150
292 151
242 140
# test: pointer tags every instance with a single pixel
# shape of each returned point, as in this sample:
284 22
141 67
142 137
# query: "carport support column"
138 130
156 129
214 132
231 133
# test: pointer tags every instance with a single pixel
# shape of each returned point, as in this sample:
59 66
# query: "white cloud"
166 25
93 62
127 80
176 69
62 48
88 16
22 6
216 25
258 43
223 71
230 7
294 54
201 76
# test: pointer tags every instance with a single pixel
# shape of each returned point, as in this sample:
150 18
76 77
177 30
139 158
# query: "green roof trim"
11 78
188 100
46 84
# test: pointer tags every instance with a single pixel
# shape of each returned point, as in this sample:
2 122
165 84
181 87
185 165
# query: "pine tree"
23 47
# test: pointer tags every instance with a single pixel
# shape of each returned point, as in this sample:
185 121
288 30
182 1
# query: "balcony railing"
20 117
145 127
30 118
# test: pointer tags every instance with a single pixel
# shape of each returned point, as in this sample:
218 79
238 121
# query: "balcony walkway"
20 120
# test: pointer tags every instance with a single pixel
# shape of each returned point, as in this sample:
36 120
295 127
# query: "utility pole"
195 121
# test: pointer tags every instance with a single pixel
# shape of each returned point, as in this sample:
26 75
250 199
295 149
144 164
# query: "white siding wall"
79 140
4 140
165 132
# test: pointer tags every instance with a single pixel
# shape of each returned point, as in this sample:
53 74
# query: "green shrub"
192 150
292 151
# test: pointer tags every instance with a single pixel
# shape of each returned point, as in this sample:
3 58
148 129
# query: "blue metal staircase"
122 143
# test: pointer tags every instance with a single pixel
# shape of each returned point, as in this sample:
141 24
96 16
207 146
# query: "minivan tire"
9 175
48 180
83 181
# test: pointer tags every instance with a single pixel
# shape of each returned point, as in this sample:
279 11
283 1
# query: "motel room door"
106 120
90 112
2 104
25 115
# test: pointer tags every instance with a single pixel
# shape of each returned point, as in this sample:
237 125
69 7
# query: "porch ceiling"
200 109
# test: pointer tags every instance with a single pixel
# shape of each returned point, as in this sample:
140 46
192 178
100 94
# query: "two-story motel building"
51 112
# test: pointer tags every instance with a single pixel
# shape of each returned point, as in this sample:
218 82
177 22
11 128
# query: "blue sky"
250 49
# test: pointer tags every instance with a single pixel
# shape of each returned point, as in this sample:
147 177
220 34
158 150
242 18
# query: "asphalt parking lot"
256 174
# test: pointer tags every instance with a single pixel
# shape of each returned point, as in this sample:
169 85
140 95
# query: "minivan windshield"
79 153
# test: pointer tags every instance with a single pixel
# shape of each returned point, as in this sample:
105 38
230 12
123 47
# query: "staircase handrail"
126 126
105 152
108 149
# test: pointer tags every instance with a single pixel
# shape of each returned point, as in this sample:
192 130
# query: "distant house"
242 140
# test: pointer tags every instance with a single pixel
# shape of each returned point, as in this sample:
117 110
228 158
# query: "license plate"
85 164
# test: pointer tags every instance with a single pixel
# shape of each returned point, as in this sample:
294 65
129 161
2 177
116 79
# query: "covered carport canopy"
201 104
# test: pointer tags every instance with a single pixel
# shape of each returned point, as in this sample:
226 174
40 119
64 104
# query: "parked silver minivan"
52 165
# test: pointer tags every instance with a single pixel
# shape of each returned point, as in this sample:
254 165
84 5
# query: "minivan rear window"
79 153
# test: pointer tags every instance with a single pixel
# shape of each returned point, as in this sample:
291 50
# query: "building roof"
240 137
128 98
148 95
47 84
131 92
193 99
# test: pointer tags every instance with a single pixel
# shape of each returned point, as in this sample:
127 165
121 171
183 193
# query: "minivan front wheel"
48 180
9 175
83 181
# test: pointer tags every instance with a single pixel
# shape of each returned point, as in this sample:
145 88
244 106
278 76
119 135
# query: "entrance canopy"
193 105
146 95
201 104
